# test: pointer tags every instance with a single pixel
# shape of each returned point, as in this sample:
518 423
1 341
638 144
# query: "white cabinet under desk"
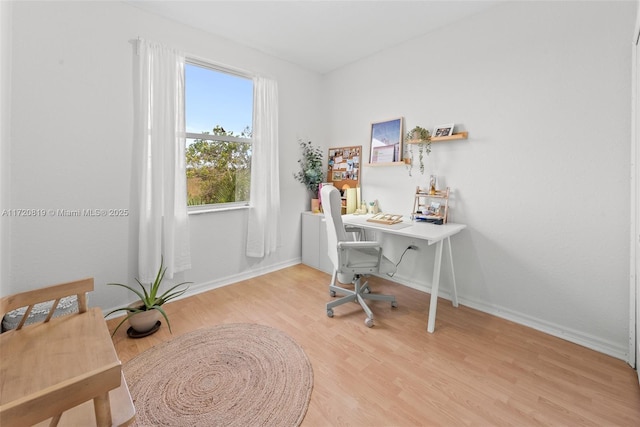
314 242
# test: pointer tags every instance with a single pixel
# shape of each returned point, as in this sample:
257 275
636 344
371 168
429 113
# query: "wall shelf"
385 164
459 135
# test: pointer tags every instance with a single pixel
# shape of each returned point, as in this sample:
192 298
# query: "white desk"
432 234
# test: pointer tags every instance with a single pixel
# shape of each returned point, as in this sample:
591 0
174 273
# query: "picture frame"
386 141
443 130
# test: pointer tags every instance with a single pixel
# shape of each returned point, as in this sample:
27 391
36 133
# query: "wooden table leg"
55 420
102 408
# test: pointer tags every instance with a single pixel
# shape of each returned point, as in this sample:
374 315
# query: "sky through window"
215 98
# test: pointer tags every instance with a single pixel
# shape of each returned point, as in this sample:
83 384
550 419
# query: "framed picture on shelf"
386 141
443 130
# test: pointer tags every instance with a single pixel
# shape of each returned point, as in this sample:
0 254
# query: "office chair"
351 259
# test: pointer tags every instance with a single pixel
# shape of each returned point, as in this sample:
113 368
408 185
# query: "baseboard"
198 288
577 337
245 275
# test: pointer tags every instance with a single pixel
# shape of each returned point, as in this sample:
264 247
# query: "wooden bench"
77 400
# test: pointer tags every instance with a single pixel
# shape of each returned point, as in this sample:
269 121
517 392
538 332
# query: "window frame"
218 207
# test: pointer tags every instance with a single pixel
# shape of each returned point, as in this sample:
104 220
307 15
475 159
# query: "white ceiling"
318 35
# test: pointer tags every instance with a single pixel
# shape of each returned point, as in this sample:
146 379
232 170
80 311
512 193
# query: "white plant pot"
145 321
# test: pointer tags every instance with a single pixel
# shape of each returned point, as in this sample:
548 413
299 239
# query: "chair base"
360 293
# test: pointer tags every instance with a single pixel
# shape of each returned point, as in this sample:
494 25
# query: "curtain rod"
197 60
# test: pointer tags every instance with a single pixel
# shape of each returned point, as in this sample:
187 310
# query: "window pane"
218 105
213 98
217 171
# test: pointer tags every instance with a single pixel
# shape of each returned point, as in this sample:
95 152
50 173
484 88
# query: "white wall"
72 147
5 133
543 180
543 89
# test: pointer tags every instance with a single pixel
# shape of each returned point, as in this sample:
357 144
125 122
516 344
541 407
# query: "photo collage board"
344 167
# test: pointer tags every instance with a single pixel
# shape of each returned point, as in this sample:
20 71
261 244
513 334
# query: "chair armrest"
359 232
358 245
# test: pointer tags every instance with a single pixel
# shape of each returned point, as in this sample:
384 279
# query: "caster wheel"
394 304
330 312
332 293
369 322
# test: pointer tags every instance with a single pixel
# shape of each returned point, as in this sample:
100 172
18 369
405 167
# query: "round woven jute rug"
229 375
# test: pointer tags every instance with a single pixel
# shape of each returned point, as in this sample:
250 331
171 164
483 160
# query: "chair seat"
368 258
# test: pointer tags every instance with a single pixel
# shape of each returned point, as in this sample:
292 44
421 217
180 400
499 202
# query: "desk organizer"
431 206
382 218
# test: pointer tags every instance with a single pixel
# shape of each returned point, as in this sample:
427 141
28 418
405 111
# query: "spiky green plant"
149 297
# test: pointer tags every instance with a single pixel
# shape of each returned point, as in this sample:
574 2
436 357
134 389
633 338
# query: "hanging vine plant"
410 162
421 137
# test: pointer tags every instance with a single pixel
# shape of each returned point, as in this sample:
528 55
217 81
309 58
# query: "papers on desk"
433 219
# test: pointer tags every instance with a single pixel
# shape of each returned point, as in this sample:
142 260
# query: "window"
218 116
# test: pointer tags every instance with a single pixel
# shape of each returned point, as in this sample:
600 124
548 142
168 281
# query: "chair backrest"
332 207
54 293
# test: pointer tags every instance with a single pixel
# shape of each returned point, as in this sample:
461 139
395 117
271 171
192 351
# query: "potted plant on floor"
144 314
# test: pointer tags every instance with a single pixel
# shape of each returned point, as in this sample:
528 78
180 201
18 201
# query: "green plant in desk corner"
311 173
150 297
422 137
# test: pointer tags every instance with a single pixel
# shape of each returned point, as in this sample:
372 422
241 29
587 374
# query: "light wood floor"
475 369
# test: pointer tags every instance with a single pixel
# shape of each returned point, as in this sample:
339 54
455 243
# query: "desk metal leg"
435 284
454 296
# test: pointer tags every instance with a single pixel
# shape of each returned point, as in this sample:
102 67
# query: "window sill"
210 209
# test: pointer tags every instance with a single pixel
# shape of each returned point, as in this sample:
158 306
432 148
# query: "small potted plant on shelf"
420 136
144 314
311 173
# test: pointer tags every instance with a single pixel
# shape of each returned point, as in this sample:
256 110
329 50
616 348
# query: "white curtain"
264 214
160 135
